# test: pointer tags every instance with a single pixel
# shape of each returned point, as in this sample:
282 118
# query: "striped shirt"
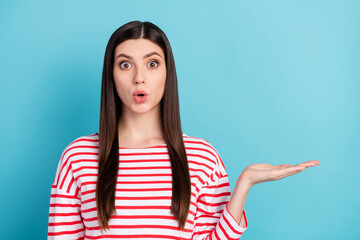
143 194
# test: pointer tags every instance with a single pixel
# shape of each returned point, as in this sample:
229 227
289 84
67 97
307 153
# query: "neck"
140 129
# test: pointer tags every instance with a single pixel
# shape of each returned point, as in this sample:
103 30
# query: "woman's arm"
65 221
257 173
237 201
213 220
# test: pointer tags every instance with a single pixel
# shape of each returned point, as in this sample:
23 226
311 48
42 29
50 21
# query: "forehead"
137 48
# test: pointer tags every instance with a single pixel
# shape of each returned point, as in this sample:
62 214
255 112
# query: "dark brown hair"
110 112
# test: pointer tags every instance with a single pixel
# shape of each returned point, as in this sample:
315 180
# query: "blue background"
263 81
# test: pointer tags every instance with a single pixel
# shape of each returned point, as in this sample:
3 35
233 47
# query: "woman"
141 176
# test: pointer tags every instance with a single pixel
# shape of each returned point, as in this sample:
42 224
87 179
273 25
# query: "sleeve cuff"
229 228
243 221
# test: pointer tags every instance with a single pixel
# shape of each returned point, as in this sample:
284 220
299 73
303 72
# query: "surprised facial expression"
139 73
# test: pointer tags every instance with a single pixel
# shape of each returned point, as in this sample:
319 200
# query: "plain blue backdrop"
263 81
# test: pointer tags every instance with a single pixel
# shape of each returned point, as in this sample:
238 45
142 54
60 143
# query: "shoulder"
81 144
75 150
202 149
200 144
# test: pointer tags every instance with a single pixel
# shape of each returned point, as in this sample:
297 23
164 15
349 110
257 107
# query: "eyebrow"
146 56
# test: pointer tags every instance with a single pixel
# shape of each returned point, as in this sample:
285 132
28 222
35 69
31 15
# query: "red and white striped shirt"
143 194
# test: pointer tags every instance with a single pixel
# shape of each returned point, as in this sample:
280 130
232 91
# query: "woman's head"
136 30
110 113
139 73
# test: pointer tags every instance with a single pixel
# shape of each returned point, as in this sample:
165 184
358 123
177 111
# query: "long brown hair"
110 112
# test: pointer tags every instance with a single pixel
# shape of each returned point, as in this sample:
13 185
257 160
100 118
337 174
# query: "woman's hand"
263 172
258 173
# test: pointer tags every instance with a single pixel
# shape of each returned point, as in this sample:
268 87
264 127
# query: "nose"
138 78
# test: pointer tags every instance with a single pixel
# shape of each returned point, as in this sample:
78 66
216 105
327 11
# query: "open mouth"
140 97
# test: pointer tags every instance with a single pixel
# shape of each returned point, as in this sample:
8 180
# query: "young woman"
141 177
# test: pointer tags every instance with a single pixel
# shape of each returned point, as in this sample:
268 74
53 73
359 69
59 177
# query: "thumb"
284 165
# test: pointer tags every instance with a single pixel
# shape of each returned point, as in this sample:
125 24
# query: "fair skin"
258 173
140 64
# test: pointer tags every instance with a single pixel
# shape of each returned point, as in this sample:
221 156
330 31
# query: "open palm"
263 172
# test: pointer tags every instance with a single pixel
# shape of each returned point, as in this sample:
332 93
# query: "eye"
125 65
153 64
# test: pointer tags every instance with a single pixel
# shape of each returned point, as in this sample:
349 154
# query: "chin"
141 109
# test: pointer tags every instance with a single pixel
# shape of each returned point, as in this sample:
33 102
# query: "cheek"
122 87
160 78
159 84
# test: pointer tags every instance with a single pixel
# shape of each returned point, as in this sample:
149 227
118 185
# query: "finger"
291 168
262 166
265 165
284 172
309 164
313 161
288 174
285 165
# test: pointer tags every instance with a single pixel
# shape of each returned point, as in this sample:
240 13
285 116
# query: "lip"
137 92
138 98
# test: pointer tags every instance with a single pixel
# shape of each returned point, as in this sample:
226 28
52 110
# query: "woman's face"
139 65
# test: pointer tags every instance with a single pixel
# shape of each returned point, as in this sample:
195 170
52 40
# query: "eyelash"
155 61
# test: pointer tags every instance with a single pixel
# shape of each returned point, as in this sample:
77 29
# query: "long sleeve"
65 220
213 220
